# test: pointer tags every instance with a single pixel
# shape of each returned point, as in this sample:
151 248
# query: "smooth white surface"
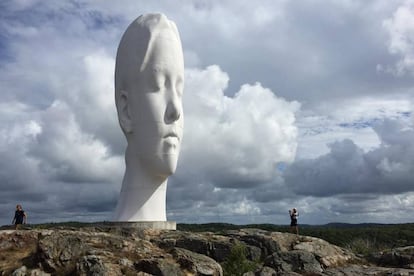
161 225
149 76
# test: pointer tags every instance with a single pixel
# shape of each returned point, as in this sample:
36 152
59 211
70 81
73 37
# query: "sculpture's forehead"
165 52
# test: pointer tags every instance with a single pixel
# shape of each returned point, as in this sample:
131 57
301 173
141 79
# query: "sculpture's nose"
173 111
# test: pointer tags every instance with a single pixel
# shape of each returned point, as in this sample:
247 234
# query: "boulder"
20 271
328 255
158 266
197 264
17 249
59 249
264 271
257 239
38 272
367 270
209 244
90 265
397 257
294 261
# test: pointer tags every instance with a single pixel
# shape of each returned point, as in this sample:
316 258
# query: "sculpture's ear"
123 112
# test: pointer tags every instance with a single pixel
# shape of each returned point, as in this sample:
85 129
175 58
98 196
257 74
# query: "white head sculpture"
149 79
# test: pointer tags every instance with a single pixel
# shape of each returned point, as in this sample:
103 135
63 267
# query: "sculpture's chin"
170 161
164 165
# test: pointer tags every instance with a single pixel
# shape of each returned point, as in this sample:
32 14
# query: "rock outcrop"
127 251
396 257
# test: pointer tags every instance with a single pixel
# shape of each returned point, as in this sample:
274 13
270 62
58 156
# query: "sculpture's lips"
172 135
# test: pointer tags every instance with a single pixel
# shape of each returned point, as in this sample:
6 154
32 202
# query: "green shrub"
236 262
360 246
365 246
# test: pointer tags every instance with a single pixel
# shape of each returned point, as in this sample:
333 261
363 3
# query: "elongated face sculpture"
149 87
149 79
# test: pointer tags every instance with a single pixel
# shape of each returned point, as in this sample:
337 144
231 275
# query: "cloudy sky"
305 104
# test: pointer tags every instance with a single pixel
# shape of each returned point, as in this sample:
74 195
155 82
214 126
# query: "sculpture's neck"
142 196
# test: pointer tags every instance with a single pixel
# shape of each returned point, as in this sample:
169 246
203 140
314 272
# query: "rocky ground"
128 251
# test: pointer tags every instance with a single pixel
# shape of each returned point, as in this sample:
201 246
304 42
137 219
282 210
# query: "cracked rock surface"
127 251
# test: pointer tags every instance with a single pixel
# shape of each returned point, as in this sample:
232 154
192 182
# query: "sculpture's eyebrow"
155 71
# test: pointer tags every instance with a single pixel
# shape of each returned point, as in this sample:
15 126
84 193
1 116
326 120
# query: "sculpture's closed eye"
157 82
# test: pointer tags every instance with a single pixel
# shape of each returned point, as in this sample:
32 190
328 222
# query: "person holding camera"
294 221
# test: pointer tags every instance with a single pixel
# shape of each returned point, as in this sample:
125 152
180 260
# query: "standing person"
294 220
19 216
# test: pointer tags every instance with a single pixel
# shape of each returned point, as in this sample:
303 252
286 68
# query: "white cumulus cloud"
237 139
400 28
